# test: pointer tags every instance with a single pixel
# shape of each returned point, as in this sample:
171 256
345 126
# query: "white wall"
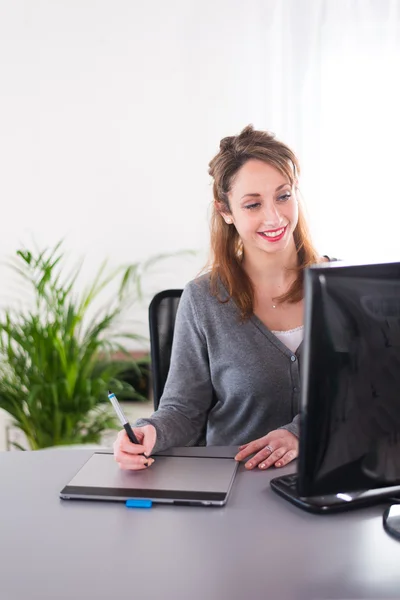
109 114
110 111
331 75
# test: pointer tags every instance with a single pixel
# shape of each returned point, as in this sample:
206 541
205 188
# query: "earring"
229 221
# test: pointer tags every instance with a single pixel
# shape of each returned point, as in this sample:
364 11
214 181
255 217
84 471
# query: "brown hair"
226 247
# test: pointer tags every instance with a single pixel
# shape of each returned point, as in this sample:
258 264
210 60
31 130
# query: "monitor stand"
391 521
286 486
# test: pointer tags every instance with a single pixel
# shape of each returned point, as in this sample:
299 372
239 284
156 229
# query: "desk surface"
257 546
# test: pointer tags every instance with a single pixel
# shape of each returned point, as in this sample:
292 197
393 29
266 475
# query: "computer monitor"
350 388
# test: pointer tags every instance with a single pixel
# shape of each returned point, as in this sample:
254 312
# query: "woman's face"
263 207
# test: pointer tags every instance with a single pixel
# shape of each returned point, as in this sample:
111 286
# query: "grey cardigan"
229 382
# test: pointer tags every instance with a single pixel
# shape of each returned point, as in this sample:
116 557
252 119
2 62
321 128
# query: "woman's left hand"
278 448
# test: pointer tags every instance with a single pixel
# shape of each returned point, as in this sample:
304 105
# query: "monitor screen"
350 372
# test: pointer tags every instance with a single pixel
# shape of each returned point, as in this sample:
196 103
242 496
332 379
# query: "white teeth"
273 233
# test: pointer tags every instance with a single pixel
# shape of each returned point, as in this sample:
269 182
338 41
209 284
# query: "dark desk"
257 547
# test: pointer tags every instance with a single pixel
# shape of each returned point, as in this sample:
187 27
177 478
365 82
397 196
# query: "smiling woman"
235 367
255 189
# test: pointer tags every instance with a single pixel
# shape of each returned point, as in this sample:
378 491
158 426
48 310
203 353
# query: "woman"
234 374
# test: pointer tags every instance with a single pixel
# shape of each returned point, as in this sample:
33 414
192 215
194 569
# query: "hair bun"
226 143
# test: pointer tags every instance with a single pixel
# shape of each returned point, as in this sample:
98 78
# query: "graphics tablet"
171 479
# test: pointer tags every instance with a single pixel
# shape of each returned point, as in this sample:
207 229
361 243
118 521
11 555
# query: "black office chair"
162 314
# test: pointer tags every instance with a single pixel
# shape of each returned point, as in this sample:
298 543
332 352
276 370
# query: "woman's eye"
251 206
284 197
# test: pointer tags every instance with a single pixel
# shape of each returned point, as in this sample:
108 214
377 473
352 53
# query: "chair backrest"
162 314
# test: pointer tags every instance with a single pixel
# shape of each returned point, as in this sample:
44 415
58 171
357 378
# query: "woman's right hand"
130 456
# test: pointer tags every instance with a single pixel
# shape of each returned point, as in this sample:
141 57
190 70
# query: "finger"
149 441
127 446
271 460
138 431
265 462
139 434
251 448
125 467
119 451
287 458
133 462
264 454
265 458
122 439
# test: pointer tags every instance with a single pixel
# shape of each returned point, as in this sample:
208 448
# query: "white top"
291 338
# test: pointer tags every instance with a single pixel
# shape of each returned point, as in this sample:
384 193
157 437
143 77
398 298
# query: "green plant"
56 356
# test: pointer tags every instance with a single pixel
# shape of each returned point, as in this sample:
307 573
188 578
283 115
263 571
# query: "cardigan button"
293 358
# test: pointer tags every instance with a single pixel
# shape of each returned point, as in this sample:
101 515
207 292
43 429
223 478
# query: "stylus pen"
124 421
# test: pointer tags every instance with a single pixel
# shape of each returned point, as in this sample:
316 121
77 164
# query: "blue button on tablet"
139 503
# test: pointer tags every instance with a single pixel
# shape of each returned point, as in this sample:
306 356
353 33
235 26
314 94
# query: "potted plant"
57 356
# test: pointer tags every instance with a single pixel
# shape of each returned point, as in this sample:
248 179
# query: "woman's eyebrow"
251 195
259 195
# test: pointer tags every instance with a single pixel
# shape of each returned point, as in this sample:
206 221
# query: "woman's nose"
272 217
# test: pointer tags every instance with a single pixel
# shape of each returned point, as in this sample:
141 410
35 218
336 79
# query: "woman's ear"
221 208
